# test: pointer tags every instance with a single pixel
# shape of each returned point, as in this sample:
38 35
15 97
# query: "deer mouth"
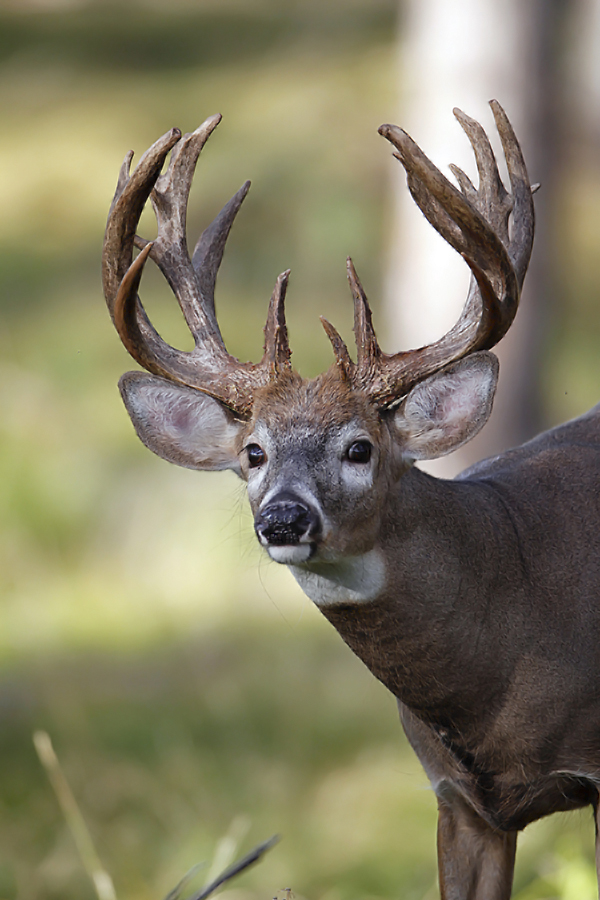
291 554
287 527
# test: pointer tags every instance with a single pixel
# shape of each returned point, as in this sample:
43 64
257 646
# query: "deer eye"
256 455
359 452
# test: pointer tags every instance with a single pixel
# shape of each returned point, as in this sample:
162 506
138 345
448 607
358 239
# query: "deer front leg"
475 862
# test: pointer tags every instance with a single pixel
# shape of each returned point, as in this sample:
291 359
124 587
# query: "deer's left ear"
447 409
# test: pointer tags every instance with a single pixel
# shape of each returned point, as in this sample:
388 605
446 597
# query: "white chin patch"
289 554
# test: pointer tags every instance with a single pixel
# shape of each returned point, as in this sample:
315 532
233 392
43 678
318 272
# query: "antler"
474 221
208 367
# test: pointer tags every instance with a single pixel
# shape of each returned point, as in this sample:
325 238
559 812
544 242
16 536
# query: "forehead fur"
326 401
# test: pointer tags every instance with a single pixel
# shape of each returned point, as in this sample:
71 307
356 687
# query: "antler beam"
474 221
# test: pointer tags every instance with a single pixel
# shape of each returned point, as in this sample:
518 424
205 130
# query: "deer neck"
353 580
411 608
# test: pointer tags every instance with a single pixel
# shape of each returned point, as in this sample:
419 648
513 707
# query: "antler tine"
491 198
367 348
465 183
342 357
474 223
121 180
130 197
523 212
209 250
277 349
170 252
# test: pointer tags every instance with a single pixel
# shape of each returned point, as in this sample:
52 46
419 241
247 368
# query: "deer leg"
475 861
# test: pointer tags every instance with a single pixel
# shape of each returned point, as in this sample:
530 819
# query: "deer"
474 601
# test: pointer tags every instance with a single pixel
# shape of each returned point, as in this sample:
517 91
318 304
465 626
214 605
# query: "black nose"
285 520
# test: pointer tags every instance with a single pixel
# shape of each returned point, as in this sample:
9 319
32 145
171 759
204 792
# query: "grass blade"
175 894
249 860
83 841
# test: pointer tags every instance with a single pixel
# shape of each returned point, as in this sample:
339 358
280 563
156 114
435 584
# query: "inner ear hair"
181 424
449 408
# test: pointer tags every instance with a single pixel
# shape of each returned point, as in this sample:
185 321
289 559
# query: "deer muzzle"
287 521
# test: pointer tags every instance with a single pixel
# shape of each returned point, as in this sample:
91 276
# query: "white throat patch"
356 579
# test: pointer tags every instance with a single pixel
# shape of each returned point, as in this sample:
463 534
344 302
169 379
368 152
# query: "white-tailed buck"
475 601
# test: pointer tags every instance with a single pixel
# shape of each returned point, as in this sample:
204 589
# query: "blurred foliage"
185 681
154 38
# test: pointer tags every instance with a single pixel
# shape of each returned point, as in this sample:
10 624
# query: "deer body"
474 601
490 661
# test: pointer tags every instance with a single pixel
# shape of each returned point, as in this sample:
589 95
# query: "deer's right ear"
180 424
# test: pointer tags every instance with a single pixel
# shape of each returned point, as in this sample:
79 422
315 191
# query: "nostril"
286 522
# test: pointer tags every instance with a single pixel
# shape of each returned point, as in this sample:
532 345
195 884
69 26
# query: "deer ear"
447 409
180 424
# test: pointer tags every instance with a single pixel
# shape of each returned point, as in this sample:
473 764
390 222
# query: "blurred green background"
190 689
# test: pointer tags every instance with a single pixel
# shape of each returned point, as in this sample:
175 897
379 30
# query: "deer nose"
286 520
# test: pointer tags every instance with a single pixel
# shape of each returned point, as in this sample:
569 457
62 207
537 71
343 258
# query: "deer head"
319 456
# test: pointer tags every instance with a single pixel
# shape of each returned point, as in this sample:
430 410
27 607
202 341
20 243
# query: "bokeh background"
190 690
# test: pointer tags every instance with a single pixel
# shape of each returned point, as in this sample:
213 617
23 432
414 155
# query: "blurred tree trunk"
463 54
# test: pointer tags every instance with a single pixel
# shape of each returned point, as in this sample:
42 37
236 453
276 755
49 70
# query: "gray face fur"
313 469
